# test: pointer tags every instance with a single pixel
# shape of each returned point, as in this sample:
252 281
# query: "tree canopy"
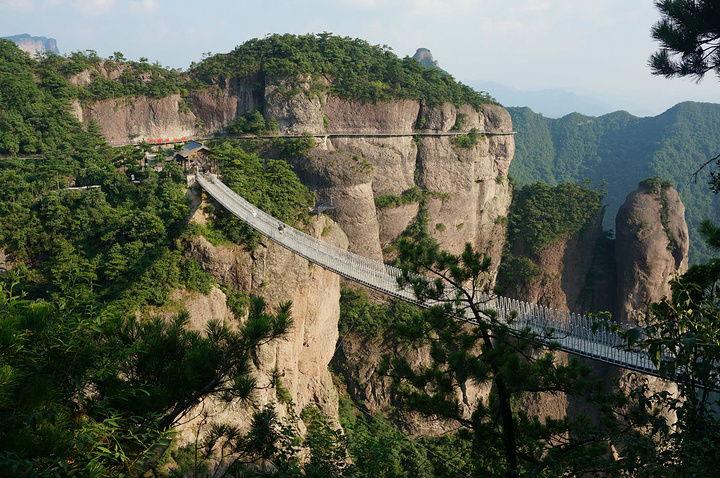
347 67
689 36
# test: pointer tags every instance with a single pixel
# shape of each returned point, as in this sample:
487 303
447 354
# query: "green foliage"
34 118
688 39
292 148
506 440
361 317
360 71
623 150
655 184
379 450
410 196
137 78
194 278
682 336
88 391
253 122
238 302
467 141
269 184
459 122
540 214
517 271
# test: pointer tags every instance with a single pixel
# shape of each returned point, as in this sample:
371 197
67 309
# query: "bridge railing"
573 333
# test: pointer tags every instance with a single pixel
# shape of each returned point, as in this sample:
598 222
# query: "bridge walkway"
573 332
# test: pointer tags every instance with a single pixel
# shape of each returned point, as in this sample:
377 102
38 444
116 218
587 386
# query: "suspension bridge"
574 333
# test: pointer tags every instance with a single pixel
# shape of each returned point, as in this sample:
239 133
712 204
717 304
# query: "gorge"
385 178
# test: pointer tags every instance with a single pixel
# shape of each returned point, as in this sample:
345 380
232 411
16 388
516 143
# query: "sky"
594 48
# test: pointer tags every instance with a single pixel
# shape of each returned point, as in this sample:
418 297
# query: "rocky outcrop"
302 356
363 151
425 58
161 119
136 119
652 244
470 186
564 279
358 361
35 45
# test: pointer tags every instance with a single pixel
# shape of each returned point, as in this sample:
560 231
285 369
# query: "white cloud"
363 4
144 6
92 7
21 6
535 6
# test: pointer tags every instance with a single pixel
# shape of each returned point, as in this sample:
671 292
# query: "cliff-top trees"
354 68
507 441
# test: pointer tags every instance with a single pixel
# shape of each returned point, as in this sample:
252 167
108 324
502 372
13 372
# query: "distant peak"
34 44
424 56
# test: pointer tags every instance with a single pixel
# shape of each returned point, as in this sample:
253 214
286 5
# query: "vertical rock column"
652 244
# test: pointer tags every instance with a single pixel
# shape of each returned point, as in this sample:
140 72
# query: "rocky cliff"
571 273
33 45
300 359
652 244
348 167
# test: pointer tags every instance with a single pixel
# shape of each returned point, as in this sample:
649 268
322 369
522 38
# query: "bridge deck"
572 332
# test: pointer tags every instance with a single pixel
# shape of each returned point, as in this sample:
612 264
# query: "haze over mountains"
551 102
623 149
558 102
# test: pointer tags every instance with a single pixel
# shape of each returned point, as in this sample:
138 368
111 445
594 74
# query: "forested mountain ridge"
623 149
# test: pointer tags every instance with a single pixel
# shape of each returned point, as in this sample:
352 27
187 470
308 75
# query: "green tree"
681 333
86 392
488 351
689 35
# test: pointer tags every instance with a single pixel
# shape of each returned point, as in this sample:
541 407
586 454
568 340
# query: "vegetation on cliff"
540 214
346 67
88 383
270 184
343 66
505 440
623 150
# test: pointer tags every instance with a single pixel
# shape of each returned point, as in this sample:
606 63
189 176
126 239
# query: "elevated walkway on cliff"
573 332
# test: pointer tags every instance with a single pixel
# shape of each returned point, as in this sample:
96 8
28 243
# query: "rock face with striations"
33 45
301 357
568 277
652 245
362 151
468 186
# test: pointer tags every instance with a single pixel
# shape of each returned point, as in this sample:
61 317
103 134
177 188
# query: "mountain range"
622 150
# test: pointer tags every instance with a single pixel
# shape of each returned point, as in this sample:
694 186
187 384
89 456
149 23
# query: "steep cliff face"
132 120
302 356
652 245
471 182
348 167
565 281
35 45
352 169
